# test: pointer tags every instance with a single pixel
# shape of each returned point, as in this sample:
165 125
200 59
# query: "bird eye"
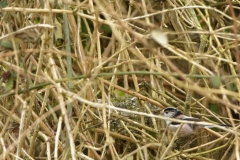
166 112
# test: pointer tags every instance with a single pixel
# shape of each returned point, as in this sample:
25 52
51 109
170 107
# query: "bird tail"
222 125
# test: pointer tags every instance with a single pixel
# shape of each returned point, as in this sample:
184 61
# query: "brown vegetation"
87 80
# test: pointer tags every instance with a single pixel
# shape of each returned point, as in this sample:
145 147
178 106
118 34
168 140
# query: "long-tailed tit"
187 129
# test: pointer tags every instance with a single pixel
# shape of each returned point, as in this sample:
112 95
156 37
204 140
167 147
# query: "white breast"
185 130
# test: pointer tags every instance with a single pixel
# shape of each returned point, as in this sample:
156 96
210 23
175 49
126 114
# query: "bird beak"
162 112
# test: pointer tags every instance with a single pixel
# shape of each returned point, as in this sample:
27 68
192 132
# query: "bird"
187 129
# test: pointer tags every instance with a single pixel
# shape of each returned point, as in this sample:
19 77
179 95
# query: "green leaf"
1 80
106 29
214 108
232 87
10 81
36 20
215 81
6 44
120 93
9 84
3 4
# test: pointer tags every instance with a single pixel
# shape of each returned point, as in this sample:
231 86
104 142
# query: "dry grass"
86 80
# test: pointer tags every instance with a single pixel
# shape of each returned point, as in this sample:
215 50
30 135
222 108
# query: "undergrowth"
89 79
